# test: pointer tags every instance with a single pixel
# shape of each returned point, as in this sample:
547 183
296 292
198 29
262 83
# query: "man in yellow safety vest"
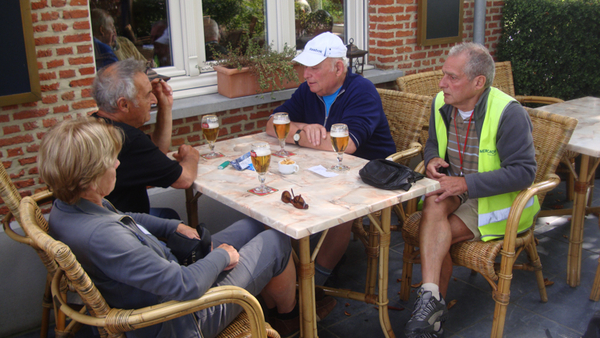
480 150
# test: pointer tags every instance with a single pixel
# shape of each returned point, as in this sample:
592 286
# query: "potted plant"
252 69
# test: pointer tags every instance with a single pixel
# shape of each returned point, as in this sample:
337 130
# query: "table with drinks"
303 202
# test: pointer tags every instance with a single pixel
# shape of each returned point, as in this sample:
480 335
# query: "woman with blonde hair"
126 261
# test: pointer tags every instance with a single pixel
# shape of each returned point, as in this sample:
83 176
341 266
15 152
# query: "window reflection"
228 24
141 25
318 16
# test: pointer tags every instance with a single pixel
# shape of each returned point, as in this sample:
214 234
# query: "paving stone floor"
566 314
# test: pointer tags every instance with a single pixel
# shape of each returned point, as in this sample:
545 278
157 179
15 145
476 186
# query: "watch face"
296 137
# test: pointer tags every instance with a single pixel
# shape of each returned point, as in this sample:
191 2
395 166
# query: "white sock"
435 290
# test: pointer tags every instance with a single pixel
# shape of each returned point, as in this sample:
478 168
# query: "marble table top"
586 137
331 201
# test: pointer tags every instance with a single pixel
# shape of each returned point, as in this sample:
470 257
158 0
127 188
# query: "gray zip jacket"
515 148
133 269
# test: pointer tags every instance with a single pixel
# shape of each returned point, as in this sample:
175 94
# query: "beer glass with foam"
339 141
261 159
281 124
210 129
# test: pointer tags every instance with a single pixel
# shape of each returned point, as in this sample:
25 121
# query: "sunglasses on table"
297 201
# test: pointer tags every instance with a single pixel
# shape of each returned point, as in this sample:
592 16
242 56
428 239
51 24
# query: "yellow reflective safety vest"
493 210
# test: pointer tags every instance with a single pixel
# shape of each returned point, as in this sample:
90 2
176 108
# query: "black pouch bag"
388 175
188 250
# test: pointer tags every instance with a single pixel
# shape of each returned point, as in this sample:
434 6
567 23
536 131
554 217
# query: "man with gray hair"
108 47
480 150
125 95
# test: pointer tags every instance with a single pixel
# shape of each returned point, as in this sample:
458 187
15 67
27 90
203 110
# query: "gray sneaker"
428 310
434 334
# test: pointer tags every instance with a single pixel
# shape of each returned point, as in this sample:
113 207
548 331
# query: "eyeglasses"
296 201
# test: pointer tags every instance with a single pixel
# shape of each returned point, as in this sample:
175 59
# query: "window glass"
314 17
144 24
229 24
168 33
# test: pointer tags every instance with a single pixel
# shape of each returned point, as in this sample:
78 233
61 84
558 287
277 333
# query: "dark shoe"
434 334
324 307
286 328
427 311
290 327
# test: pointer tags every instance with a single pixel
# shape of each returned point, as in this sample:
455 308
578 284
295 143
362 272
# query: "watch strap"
297 138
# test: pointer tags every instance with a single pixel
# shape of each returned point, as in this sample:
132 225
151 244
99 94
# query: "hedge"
554 47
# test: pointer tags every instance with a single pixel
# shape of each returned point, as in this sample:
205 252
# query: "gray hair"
479 61
343 59
116 81
211 30
100 18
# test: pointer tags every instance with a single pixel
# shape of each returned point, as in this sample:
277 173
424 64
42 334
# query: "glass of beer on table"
281 124
210 129
261 159
339 140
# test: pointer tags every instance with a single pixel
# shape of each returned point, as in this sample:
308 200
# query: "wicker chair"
406 114
503 80
12 199
551 134
425 83
113 322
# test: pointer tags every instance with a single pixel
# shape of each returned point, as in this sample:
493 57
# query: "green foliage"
237 14
221 10
553 46
270 67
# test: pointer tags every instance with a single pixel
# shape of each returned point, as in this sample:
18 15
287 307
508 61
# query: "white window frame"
191 75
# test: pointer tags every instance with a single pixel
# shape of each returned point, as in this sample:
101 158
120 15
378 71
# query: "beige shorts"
467 212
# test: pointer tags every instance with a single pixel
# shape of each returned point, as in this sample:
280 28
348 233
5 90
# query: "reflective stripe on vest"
493 210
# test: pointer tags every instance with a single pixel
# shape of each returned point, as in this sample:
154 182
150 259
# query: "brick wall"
66 67
393 35
65 61
234 123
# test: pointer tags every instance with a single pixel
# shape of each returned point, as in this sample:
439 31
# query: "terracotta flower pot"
235 83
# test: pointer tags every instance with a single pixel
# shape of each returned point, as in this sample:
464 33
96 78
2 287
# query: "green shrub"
553 45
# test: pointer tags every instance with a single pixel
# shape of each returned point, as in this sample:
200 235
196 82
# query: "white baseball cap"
321 47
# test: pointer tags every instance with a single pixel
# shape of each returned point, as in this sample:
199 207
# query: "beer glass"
210 129
261 159
281 124
339 140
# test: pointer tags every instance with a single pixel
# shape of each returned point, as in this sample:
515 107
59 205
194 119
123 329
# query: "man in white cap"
332 95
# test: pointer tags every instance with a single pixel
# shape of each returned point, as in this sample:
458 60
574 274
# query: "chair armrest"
413 150
11 233
518 206
122 320
538 99
42 196
420 168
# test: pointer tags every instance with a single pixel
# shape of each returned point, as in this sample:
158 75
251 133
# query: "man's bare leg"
281 290
333 248
435 236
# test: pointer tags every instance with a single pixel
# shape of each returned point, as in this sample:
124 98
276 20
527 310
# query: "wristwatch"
297 137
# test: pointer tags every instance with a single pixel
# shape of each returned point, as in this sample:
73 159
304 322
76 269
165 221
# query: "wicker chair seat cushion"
475 255
240 328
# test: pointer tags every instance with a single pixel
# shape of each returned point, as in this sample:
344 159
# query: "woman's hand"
187 231
234 256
